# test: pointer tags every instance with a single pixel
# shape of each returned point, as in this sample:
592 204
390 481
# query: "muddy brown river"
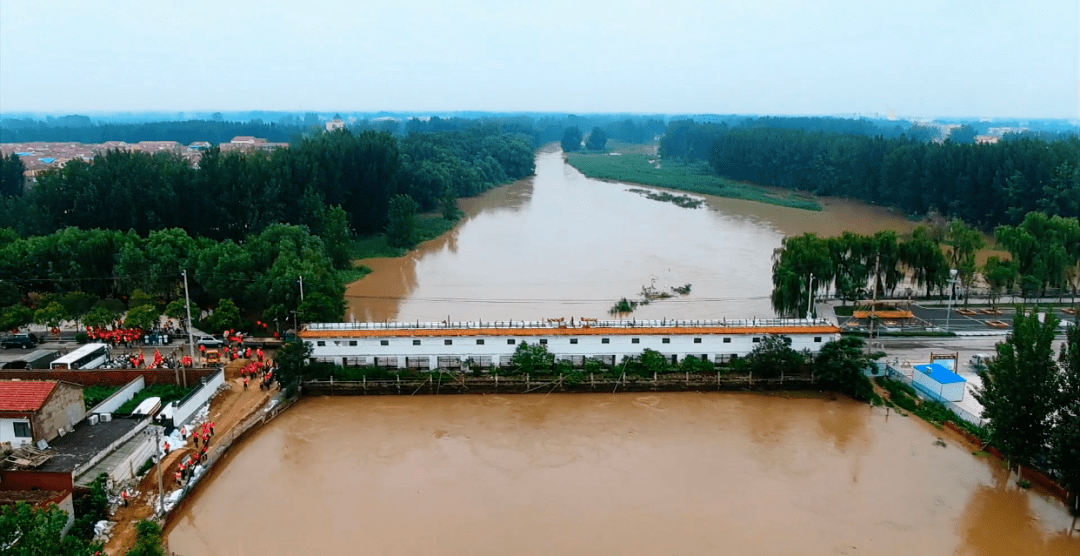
560 244
672 473
606 474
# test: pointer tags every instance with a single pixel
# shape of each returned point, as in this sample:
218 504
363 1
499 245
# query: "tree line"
231 195
983 184
245 226
77 274
1045 254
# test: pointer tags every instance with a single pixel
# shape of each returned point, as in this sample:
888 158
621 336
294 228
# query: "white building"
488 344
939 381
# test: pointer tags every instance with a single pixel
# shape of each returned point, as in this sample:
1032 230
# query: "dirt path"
227 410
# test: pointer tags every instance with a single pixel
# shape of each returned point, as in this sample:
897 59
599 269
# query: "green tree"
140 298
177 309
11 176
964 242
291 360
51 315
999 275
29 531
100 317
77 304
772 356
145 317
794 262
1065 438
571 139
148 540
450 210
840 365
1020 388
922 255
225 317
15 317
597 140
337 236
532 359
401 229
318 307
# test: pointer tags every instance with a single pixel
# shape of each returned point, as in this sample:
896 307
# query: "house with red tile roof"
33 410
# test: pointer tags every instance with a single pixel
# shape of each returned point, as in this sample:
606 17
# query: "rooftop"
24 395
939 373
77 449
561 328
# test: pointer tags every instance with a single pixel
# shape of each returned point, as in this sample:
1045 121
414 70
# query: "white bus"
90 356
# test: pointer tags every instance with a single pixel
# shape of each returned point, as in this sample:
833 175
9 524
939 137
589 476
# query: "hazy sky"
1007 58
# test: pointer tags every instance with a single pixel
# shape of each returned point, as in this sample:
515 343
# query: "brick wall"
108 377
64 408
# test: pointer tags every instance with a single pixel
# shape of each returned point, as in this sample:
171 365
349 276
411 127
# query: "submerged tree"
1065 439
840 365
1020 388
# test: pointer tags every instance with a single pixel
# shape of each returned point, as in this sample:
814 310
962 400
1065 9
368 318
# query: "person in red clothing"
245 382
166 447
124 495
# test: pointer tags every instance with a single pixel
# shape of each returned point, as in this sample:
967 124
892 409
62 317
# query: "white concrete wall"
954 391
183 413
363 351
7 432
127 468
120 397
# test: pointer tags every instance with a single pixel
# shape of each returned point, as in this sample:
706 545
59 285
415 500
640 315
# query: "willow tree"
794 262
922 255
964 242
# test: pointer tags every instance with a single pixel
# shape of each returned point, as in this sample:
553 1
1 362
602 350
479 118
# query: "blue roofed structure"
939 382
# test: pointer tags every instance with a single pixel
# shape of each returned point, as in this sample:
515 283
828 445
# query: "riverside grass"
636 167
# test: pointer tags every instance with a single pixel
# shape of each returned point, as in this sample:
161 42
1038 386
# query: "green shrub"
81 337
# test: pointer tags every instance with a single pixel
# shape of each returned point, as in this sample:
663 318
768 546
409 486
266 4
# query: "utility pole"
952 289
190 339
810 297
301 289
155 432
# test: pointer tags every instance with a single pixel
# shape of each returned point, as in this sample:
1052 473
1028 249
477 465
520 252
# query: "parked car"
209 341
24 341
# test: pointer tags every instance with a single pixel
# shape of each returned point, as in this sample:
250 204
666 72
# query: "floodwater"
670 473
560 244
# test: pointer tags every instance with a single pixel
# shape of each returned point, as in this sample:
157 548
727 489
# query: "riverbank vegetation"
1045 254
986 185
695 177
247 227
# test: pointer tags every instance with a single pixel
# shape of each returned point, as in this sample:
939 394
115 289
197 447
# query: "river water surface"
595 474
560 244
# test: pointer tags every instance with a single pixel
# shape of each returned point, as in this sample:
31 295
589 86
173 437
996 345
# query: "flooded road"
560 244
673 473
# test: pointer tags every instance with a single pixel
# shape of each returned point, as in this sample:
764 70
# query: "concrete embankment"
446 383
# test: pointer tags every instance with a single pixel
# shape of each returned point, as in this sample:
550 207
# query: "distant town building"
335 124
